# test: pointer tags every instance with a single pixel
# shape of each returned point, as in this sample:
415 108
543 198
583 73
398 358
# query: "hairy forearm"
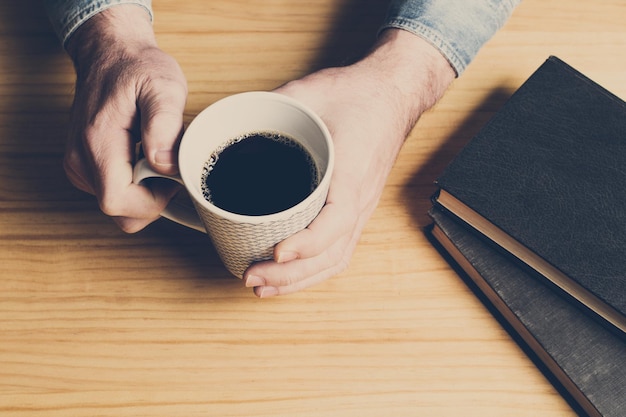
415 72
66 16
118 28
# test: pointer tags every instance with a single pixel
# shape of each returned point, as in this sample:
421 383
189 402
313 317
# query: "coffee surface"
259 173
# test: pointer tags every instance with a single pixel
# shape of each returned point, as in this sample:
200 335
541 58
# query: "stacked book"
533 211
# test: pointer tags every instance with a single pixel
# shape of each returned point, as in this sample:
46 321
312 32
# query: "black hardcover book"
545 179
588 360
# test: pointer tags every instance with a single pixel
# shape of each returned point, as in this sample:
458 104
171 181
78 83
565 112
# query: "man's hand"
127 90
369 108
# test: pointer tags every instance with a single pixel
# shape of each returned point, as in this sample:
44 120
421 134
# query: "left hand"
127 89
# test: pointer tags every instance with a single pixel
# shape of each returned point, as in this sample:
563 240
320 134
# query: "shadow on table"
420 187
353 32
32 132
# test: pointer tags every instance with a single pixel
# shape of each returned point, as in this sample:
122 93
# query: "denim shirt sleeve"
457 28
67 15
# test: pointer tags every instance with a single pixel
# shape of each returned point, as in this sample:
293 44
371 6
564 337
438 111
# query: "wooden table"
94 322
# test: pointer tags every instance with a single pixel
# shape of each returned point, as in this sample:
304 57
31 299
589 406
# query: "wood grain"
94 322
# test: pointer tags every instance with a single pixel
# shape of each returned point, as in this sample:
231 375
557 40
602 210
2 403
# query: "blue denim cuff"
457 28
67 15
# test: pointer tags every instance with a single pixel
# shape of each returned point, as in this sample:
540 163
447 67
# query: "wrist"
414 70
123 28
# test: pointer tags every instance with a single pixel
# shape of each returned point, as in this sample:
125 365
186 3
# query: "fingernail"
164 157
286 256
265 292
254 281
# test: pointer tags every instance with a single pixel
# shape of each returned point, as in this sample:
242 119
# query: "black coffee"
259 173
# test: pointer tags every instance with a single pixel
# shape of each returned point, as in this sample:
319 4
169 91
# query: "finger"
290 280
131 225
334 220
162 103
75 166
112 157
337 218
270 278
271 291
76 172
164 188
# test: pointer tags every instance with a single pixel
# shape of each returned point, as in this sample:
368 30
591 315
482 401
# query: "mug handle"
174 211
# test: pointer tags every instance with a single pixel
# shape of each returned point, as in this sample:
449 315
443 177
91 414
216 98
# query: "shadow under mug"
241 240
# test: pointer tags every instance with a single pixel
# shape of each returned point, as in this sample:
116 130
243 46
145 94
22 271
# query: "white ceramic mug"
239 239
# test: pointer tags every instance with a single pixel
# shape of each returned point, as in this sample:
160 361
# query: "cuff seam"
435 38
74 22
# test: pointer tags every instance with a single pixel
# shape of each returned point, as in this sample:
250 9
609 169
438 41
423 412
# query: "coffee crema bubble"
259 173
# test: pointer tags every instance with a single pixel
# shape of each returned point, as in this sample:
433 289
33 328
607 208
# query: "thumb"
161 111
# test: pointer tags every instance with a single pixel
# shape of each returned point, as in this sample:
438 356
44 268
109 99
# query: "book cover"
545 179
588 360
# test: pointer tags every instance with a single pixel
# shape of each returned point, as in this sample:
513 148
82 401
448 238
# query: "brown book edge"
511 245
514 321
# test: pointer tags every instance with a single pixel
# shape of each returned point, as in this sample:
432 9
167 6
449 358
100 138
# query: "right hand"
127 90
369 108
